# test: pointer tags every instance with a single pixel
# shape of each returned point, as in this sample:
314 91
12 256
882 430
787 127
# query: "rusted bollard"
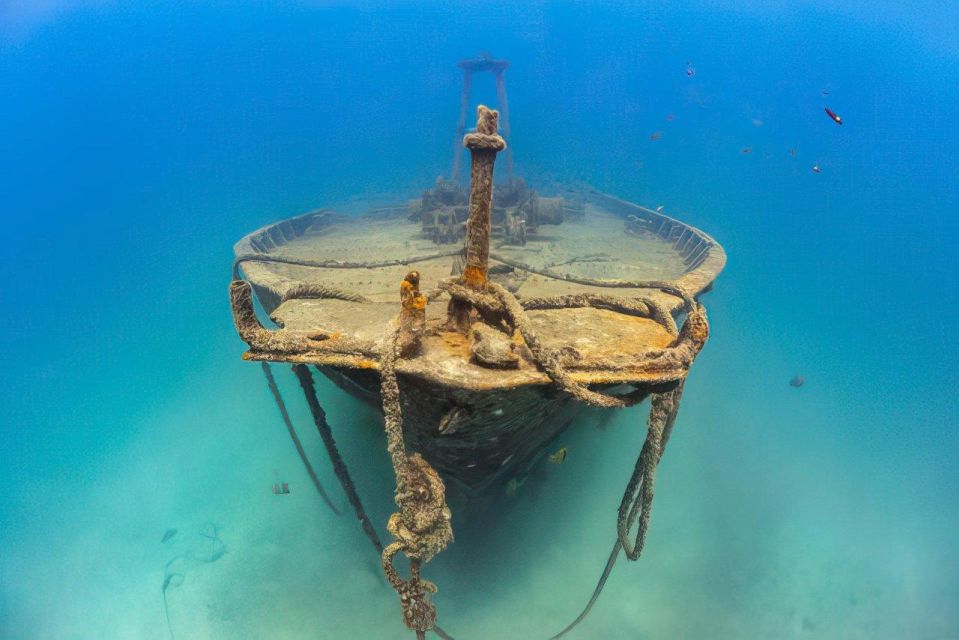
412 315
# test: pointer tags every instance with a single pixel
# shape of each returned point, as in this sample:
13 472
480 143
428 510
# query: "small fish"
450 423
169 534
660 208
835 116
670 117
281 488
513 485
559 457
825 92
797 381
816 169
792 153
656 135
746 150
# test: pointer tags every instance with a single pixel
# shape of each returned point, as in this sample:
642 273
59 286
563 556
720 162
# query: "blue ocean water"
138 141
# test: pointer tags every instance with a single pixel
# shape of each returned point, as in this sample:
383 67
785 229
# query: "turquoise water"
138 142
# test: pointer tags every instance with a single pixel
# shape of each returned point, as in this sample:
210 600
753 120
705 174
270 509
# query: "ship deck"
614 241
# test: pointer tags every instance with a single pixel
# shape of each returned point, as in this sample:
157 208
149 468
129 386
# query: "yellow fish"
559 457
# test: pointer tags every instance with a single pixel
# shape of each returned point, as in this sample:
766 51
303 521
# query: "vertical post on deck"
483 146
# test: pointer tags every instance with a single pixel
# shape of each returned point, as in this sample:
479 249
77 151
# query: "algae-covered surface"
140 142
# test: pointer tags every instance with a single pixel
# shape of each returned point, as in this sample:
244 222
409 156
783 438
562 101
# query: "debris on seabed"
559 457
656 135
815 168
833 115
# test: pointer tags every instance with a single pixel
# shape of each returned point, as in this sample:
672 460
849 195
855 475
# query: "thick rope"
422 525
319 418
296 440
335 264
597 591
286 341
639 491
306 291
638 497
667 287
640 307
495 302
342 474
498 303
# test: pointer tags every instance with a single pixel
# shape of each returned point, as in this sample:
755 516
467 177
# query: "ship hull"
480 427
496 435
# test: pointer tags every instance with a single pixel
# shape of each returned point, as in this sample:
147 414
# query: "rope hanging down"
319 419
421 527
638 497
408 589
271 382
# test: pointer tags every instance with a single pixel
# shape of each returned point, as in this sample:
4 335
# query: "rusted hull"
500 436
506 418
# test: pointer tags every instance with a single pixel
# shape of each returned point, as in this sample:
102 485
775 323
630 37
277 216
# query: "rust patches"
474 277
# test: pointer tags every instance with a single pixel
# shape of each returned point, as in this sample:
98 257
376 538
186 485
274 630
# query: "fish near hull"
478 426
499 436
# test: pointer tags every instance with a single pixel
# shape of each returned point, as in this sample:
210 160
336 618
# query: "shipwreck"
482 321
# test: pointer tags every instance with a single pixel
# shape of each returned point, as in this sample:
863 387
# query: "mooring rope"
641 307
335 264
271 382
638 495
639 492
425 528
410 589
319 419
309 291
638 498
668 287
597 591
421 528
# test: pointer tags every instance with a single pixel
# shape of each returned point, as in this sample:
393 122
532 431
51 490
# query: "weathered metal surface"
494 435
614 240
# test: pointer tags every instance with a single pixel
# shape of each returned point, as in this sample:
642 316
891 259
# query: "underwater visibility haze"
810 489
